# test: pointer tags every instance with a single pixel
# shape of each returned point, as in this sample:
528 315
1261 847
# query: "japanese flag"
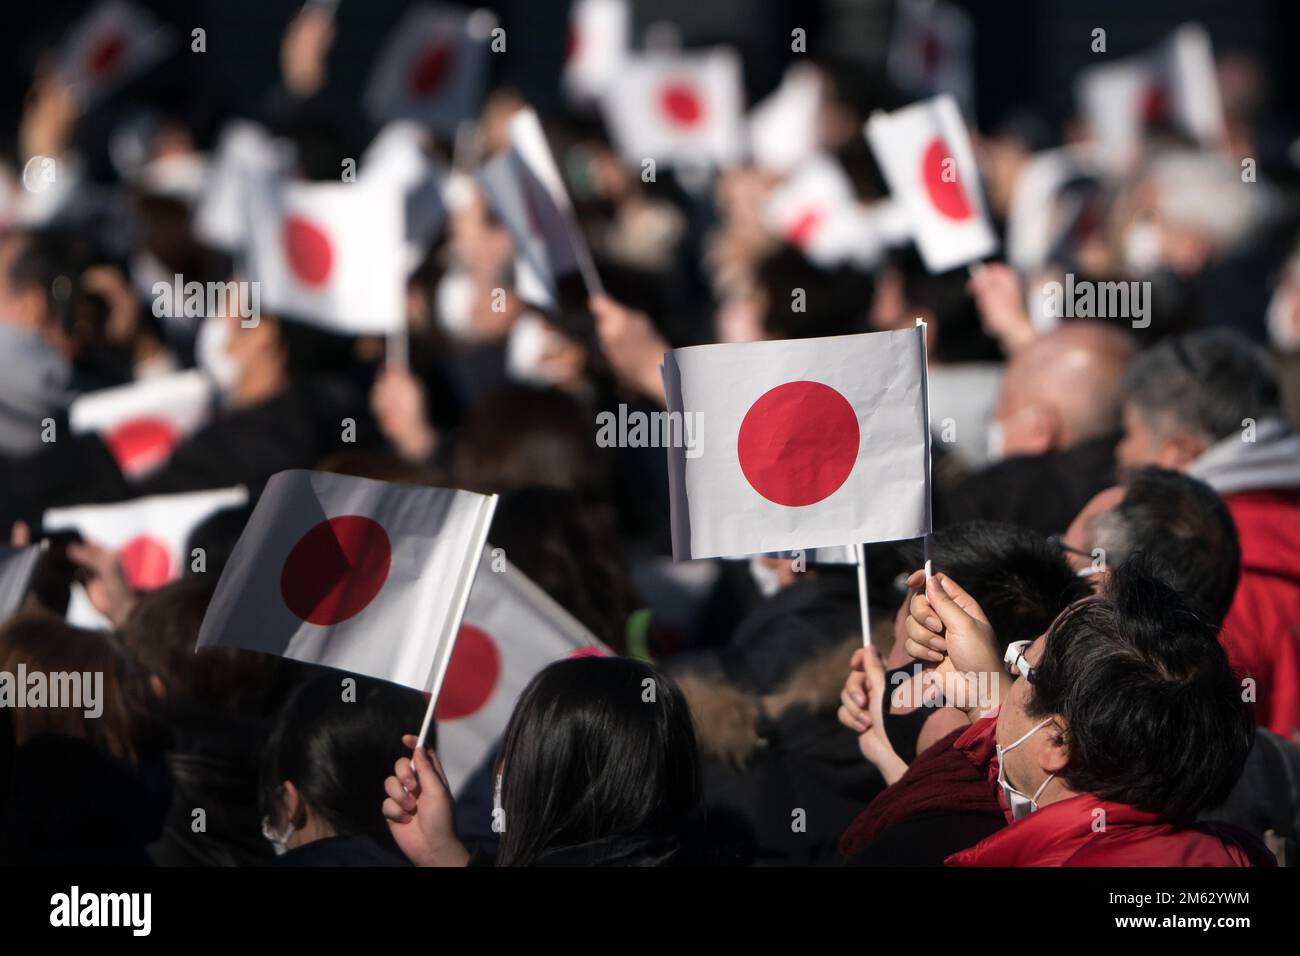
926 158
597 45
244 151
364 576
930 50
332 254
677 108
817 212
111 45
148 534
1053 197
17 565
512 629
142 423
804 443
1174 85
398 154
783 128
524 188
433 68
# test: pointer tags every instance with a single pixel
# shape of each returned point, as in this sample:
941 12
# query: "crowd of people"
1103 667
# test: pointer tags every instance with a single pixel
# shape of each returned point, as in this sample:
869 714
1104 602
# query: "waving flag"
783 128
244 151
677 108
512 629
365 576
433 68
926 157
1173 85
398 154
148 534
142 423
332 254
817 212
806 443
110 46
930 50
597 45
17 565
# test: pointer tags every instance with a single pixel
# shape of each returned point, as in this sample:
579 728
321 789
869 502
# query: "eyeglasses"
1058 541
1014 658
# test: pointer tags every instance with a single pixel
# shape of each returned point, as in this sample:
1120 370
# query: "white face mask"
211 356
525 348
1142 248
767 579
454 303
1283 328
279 840
1021 805
997 441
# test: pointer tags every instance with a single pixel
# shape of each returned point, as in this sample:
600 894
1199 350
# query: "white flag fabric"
524 188
148 534
398 155
114 43
1042 208
597 44
332 254
930 50
432 68
1174 84
677 108
817 212
512 629
243 151
143 422
364 576
17 565
926 157
805 443
783 128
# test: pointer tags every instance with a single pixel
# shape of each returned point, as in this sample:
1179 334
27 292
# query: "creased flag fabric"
433 68
806 443
596 46
149 534
677 108
143 422
332 254
1175 84
360 575
17 565
926 157
512 629
114 43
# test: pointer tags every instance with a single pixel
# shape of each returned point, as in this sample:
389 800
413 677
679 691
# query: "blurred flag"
17 565
512 629
143 422
817 212
930 51
783 128
433 68
398 155
926 157
112 44
148 534
1173 85
803 443
364 576
244 151
677 108
1053 200
332 254
524 188
597 43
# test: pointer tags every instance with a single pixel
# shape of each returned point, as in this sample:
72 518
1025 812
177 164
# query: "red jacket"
1063 834
1262 630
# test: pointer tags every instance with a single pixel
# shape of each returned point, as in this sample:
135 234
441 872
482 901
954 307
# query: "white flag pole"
860 552
462 601
397 349
925 398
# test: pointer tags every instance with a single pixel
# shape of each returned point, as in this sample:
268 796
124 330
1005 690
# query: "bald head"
1064 388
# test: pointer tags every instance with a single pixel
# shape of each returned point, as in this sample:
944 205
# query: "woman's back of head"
600 760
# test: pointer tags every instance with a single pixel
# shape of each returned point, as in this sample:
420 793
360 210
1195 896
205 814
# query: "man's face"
1080 538
1023 764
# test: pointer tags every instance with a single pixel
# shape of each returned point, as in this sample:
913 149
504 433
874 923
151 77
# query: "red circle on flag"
308 249
336 569
141 444
798 443
1154 106
939 173
472 675
430 70
106 55
572 43
681 104
801 230
146 562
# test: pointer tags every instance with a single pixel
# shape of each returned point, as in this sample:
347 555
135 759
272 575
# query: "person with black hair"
322 765
599 768
1124 714
1208 404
